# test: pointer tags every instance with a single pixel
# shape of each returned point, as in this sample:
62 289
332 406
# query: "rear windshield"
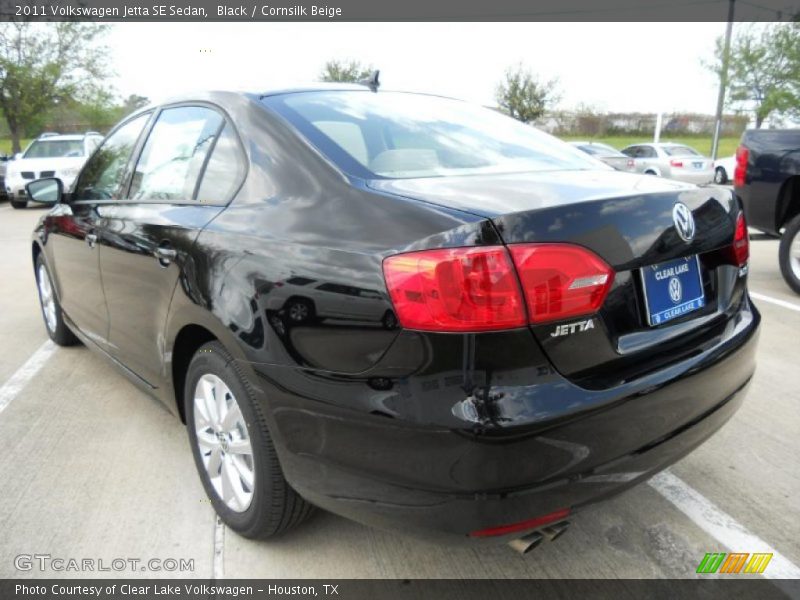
399 135
55 149
600 150
680 151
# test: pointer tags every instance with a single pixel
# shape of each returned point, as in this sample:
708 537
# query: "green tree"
764 70
345 71
132 103
42 65
523 96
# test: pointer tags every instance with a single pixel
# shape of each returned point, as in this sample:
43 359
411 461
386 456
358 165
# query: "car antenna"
372 82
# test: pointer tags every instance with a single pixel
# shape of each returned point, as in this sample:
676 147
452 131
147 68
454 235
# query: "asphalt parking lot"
93 468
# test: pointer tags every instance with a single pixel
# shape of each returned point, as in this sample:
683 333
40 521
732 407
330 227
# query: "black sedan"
413 312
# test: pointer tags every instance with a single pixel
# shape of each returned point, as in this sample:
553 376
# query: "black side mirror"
46 191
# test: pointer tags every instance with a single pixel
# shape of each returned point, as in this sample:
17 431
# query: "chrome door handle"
165 255
91 239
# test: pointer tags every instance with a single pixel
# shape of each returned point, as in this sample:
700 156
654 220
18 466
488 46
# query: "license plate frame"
659 294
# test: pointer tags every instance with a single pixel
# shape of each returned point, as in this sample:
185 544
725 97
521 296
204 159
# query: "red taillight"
561 280
455 289
476 289
676 163
740 171
741 242
522 525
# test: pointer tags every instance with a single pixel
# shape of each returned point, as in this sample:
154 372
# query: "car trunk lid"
628 221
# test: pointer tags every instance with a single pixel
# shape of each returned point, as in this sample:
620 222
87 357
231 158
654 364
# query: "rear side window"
224 170
680 151
175 153
640 152
105 173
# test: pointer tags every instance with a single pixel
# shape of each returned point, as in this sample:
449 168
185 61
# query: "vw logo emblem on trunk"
684 221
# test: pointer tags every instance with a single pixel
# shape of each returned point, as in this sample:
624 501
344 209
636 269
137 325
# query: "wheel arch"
188 340
36 250
300 297
188 328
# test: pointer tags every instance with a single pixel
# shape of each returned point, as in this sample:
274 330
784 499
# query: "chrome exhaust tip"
526 543
555 531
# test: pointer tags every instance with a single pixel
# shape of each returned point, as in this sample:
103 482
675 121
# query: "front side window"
399 135
55 149
104 175
174 154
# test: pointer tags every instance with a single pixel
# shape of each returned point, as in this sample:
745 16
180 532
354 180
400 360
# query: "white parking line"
25 373
720 525
776 301
218 562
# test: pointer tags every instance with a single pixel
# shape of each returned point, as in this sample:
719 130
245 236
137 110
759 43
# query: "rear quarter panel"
296 216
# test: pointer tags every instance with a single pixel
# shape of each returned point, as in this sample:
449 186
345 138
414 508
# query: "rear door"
73 230
187 171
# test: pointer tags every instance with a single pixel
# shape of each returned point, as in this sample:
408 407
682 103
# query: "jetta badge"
684 221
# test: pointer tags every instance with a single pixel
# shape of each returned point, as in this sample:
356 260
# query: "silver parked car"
675 161
608 154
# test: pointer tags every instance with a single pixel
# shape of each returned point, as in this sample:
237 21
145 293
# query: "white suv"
49 155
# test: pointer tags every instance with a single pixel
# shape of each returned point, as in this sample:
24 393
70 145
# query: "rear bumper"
698 178
443 483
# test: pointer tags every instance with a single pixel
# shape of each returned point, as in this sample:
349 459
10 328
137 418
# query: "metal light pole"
723 80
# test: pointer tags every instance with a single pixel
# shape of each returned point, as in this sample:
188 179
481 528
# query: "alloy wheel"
47 298
298 312
223 442
794 255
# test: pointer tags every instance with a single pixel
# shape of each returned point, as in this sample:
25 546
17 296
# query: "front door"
72 231
75 232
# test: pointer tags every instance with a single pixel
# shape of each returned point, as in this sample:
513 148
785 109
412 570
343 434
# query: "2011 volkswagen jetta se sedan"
413 312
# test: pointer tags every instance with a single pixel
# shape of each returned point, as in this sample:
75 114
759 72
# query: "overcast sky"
643 67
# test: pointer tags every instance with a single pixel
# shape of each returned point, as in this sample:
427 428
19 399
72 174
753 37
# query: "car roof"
316 87
219 96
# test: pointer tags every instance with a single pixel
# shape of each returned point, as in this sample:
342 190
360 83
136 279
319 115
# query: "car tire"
18 203
651 172
720 176
52 314
300 310
389 320
789 254
256 502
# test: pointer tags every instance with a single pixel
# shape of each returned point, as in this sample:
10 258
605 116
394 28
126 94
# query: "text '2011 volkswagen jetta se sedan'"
409 311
